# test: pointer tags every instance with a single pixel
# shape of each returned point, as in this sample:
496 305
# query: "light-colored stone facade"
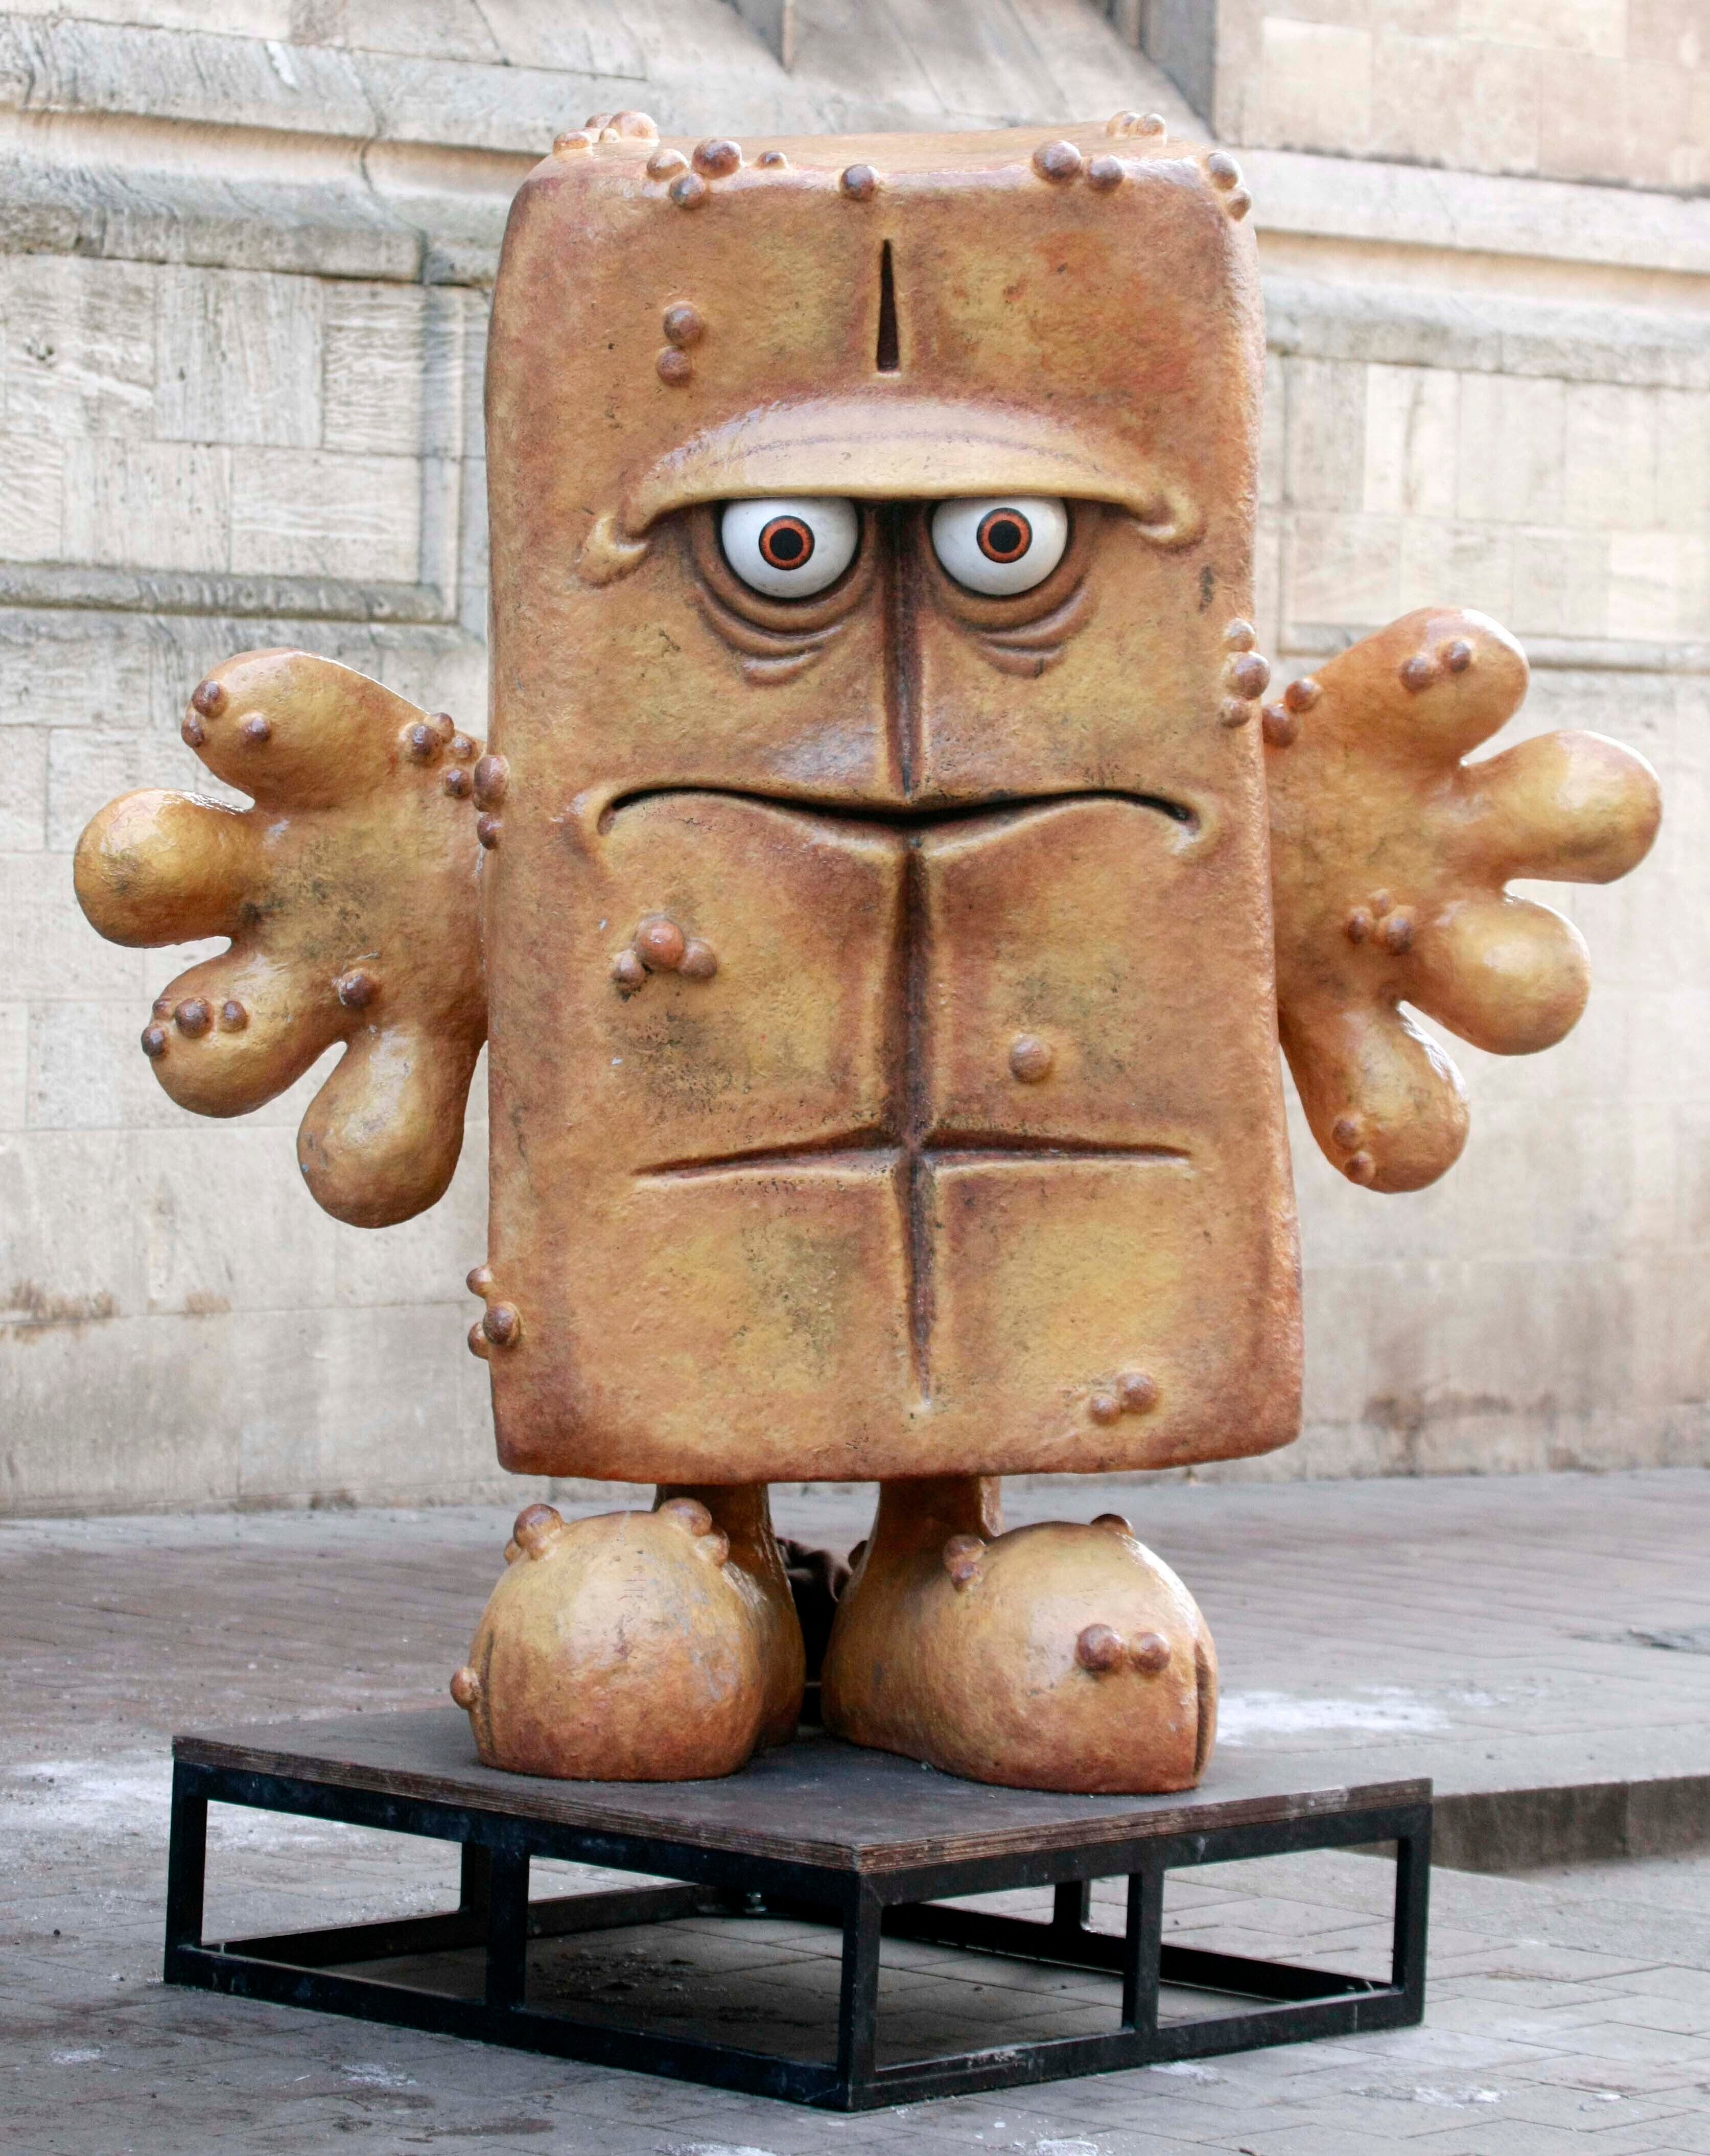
243 289
1614 90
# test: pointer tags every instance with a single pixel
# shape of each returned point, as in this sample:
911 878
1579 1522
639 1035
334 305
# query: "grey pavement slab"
1486 1632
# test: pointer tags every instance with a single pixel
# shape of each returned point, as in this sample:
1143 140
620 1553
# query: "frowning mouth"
908 815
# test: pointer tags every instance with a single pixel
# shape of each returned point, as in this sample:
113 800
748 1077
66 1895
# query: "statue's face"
883 1057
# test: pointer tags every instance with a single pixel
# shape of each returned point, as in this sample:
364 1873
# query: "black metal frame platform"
888 1883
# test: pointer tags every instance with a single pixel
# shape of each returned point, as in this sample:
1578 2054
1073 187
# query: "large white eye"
1005 544
790 550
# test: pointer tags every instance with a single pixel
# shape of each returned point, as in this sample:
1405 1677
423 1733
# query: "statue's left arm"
1390 859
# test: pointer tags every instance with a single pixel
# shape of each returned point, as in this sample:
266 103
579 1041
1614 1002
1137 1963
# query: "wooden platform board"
818 1831
817 1802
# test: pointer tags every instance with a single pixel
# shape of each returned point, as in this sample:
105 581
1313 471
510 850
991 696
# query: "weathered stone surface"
1586 90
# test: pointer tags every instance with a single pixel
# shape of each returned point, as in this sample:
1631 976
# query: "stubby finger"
1508 976
295 730
161 868
381 1137
1430 687
1575 807
235 1031
1386 1106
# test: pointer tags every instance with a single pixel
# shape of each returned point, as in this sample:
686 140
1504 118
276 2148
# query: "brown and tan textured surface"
349 894
800 1210
1566 2010
1391 857
1062 1654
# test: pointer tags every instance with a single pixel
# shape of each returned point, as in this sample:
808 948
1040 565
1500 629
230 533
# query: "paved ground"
1498 1635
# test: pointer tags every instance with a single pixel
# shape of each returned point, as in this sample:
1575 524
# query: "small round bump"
462 747
674 368
1457 656
192 732
1031 1058
1151 123
1122 123
154 1042
775 160
356 989
492 774
572 144
1104 1407
1149 1653
1222 170
859 183
1248 674
688 190
699 961
489 830
192 1018
503 1325
456 783
1398 933
233 1017
1240 636
1138 1390
634 127
1279 724
1301 695
161 1007
420 743
1360 1168
717 158
1238 204
1357 926
687 1513
1104 173
537 1527
1234 711
961 1559
659 943
1345 1131
629 971
466 1687
1058 162
209 698
663 163
1381 902
1114 1523
1099 1649
1418 673
684 325
255 729
479 1343
479 1280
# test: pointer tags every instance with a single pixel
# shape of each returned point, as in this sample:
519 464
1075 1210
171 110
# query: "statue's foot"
1054 1657
657 1646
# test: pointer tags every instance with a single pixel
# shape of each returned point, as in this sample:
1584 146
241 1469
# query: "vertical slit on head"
886 358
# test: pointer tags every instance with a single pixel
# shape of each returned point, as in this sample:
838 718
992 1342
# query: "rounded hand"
1389 859
351 894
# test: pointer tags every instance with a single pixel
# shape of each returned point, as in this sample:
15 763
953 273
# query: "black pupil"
784 545
1004 537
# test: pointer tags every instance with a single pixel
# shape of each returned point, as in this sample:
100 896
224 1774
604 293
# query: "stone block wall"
1612 91
241 330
